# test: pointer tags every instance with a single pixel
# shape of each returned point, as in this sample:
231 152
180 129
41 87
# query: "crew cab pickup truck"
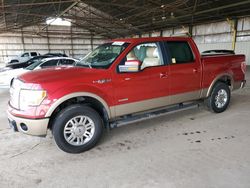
120 82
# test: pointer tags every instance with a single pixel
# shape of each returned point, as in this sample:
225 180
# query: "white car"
24 57
7 76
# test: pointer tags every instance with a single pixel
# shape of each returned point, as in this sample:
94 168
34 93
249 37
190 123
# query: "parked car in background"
17 64
7 76
24 57
27 63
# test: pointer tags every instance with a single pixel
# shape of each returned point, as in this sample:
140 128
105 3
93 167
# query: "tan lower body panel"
204 93
237 85
145 105
36 127
207 91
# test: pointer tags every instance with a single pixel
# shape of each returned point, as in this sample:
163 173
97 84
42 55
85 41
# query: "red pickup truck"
120 82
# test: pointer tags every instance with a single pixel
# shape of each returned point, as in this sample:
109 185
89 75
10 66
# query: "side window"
180 52
67 62
147 54
25 55
33 54
49 63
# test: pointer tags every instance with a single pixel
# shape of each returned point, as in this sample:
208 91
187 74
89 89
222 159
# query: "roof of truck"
131 40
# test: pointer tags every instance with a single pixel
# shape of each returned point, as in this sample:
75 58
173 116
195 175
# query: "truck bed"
214 65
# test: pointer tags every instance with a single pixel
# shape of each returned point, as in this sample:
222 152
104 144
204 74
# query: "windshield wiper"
84 64
89 64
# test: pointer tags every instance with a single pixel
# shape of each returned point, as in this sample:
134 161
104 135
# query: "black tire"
63 119
211 101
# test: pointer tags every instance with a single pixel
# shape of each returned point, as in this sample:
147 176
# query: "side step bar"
129 119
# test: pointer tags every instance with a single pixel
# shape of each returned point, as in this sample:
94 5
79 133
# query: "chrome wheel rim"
79 130
221 98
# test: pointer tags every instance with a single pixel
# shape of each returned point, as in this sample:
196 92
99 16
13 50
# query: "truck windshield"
103 56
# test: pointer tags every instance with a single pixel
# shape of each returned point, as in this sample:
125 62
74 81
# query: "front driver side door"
146 89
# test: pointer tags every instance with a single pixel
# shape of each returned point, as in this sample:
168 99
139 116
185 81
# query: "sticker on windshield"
118 43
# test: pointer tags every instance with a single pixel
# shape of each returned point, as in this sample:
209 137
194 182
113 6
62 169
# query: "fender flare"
217 78
77 94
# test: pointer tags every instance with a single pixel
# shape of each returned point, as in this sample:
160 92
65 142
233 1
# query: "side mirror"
130 66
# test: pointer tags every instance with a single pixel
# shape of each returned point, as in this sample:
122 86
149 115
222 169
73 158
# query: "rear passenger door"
184 72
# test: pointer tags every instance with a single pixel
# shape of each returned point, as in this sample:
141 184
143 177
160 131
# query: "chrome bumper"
35 127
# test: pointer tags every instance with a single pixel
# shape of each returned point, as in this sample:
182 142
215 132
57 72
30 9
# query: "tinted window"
33 54
67 62
180 52
33 61
49 63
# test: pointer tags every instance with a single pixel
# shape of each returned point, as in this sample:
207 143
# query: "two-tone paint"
126 93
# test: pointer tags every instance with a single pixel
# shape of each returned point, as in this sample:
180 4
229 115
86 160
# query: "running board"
129 119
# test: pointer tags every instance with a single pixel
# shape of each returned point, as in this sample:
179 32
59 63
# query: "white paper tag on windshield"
173 60
118 43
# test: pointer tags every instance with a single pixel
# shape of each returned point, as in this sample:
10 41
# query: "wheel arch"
225 78
93 100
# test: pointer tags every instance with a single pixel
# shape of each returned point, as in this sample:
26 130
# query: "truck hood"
60 74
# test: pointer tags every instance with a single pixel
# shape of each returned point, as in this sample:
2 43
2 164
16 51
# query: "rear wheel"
77 128
219 99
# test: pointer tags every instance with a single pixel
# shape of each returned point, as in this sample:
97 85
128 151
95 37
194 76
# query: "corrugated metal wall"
77 42
219 36
215 36
74 42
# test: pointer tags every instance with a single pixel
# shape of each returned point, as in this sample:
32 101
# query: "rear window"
33 54
180 52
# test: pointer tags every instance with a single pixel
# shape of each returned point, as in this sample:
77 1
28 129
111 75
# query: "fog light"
23 127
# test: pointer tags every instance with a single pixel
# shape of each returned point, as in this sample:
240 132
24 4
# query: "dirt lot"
195 148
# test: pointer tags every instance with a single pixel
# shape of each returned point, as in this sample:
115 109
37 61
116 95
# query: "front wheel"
77 128
219 99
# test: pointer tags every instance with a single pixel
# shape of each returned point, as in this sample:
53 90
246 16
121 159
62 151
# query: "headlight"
31 97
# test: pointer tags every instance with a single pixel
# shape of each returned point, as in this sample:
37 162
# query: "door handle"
195 70
127 79
163 75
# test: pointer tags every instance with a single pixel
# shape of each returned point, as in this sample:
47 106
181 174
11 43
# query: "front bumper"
35 127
